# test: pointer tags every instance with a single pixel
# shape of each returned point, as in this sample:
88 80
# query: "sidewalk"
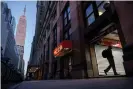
96 83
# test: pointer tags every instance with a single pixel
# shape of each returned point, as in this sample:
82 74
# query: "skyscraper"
20 37
8 43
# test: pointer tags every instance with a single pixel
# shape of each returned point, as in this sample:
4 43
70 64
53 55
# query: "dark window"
55 36
67 33
66 25
66 16
41 2
48 49
44 53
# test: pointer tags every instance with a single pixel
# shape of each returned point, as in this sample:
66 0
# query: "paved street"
100 83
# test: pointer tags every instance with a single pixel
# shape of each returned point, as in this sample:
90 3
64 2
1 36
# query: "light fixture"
100 12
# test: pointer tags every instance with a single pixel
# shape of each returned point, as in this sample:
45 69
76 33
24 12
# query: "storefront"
98 62
103 63
63 54
32 73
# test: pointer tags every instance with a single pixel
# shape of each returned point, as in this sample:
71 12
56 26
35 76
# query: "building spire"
24 9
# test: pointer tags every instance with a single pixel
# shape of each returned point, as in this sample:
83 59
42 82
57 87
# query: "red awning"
63 48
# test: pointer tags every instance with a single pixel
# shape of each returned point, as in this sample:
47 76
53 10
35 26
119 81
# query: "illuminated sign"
62 48
58 49
109 42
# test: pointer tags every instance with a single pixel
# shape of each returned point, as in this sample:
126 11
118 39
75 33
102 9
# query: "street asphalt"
96 83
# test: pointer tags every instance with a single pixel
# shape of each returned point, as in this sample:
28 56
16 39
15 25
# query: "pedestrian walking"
107 53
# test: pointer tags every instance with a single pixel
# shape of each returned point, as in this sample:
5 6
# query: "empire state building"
21 34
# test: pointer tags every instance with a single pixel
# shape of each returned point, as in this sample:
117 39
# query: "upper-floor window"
66 16
100 6
55 36
94 10
66 34
90 14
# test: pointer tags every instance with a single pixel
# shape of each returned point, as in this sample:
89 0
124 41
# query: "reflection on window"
69 16
91 19
66 36
66 17
89 10
100 5
70 31
65 21
101 10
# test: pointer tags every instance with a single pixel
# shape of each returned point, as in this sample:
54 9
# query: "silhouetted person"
110 59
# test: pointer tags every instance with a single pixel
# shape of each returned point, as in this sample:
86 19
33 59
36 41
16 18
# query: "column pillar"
125 12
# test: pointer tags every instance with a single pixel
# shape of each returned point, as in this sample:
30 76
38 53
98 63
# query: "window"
66 16
90 15
100 6
91 19
89 10
94 10
41 2
55 36
48 49
67 34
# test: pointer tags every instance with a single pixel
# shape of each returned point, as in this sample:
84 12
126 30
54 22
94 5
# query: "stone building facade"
72 36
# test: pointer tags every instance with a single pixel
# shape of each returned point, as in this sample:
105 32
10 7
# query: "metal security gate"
103 62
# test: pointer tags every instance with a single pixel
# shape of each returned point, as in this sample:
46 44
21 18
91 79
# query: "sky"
17 8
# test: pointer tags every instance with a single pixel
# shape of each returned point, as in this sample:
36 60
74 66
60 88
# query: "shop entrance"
66 67
109 37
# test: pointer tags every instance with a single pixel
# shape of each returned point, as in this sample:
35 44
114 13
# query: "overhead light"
116 45
100 12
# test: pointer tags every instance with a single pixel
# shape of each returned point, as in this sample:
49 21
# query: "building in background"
4 29
70 37
7 36
13 22
20 39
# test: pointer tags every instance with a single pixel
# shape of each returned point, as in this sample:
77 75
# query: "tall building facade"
7 35
20 38
70 37
4 31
